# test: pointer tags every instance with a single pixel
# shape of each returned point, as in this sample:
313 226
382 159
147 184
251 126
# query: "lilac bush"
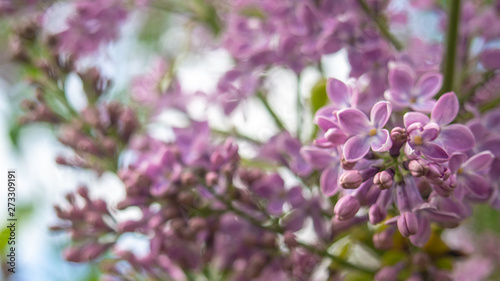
395 159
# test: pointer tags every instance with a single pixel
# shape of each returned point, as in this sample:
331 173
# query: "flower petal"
398 100
430 132
317 157
434 152
428 85
356 148
380 113
457 137
456 161
353 121
446 109
382 141
329 181
424 232
336 136
479 162
401 78
337 92
414 117
478 187
423 105
491 59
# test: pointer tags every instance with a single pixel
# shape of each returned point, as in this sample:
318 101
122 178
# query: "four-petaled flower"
365 133
405 92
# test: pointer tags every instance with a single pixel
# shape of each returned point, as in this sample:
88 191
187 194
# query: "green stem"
235 133
271 111
451 47
381 24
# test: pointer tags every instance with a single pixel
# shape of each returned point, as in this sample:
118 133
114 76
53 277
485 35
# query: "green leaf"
14 133
319 97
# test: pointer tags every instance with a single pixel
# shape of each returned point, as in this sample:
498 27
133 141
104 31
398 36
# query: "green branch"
271 111
451 47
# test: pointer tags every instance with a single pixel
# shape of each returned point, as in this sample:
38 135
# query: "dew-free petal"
446 109
429 85
457 137
382 141
380 113
353 121
356 148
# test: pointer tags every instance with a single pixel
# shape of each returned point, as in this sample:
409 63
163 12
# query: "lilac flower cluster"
404 151
430 170
198 210
94 23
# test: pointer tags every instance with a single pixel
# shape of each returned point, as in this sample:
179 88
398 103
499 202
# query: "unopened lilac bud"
249 175
188 178
418 168
83 191
197 224
384 180
70 197
376 214
93 251
408 224
346 208
211 178
290 239
398 137
72 254
435 171
351 179
443 189
100 205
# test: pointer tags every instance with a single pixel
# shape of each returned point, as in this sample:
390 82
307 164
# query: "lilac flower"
430 136
285 150
327 161
491 58
454 137
405 92
421 139
95 23
365 133
341 95
471 181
